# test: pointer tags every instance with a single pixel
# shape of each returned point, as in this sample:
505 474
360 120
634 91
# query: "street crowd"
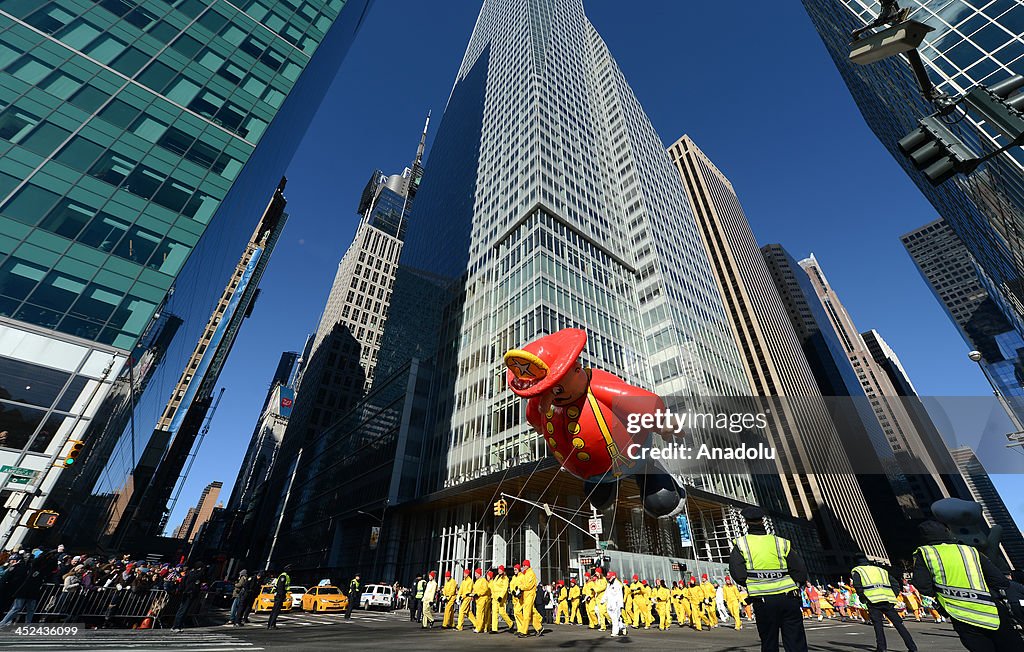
767 584
58 584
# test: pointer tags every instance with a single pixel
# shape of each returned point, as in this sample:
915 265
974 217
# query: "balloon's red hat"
541 364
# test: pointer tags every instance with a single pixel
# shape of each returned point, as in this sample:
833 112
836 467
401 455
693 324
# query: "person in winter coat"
26 596
614 600
239 594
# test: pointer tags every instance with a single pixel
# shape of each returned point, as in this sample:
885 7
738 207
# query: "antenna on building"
423 141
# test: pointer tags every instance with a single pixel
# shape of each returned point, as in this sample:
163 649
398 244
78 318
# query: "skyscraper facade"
972 43
867 448
544 205
956 281
339 369
921 468
128 128
819 481
992 506
143 505
197 516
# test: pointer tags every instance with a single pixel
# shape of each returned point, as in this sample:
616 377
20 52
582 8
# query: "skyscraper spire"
423 142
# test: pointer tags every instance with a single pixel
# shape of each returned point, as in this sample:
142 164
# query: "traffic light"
500 507
937 151
996 106
77 446
43 518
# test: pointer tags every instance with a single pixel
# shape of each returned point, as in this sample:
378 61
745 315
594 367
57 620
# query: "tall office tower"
931 438
339 368
983 492
923 471
819 483
956 281
142 506
891 502
267 437
200 514
128 128
545 205
247 494
972 43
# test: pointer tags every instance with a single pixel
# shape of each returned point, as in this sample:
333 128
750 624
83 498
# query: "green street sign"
19 479
17 470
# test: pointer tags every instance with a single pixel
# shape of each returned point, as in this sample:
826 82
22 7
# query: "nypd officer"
771 571
966 584
878 590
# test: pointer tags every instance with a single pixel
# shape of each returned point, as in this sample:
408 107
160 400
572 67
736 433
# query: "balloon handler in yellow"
582 413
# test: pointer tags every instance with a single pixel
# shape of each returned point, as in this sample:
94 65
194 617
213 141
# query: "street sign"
17 470
18 479
595 526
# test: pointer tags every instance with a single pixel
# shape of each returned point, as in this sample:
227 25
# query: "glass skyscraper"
128 128
973 42
958 284
545 204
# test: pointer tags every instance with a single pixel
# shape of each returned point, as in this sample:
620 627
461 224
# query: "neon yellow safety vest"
765 558
876 583
960 584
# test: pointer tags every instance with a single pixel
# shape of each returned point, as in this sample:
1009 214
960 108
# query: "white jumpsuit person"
614 600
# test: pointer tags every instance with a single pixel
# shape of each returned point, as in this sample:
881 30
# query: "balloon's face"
570 389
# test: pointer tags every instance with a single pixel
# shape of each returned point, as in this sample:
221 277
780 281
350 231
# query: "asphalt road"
394 631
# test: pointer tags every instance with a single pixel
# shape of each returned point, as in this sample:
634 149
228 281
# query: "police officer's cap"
935 532
752 513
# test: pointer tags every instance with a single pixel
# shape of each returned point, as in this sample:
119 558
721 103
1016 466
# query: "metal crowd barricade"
108 603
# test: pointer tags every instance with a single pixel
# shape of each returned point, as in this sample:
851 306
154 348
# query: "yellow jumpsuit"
731 595
664 598
599 609
563 605
641 605
449 590
482 590
681 606
528 584
649 606
574 605
588 603
464 590
710 612
695 596
499 594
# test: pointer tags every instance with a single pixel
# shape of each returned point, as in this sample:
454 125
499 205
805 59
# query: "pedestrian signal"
43 518
500 507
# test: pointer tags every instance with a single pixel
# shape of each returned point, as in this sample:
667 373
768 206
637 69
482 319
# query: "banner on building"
685 538
374 535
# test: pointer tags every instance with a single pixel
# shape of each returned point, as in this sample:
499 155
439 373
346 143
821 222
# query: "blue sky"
755 89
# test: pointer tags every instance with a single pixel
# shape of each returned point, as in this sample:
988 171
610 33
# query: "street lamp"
1016 438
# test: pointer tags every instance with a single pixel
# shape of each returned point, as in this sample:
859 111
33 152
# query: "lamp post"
1017 437
380 532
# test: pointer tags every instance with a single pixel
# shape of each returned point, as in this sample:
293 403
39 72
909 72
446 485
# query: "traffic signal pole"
39 490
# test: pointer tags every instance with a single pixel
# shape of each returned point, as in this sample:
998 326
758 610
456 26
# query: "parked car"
265 600
324 598
297 592
218 595
377 595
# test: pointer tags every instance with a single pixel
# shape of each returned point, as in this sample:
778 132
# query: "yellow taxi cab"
324 598
265 600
